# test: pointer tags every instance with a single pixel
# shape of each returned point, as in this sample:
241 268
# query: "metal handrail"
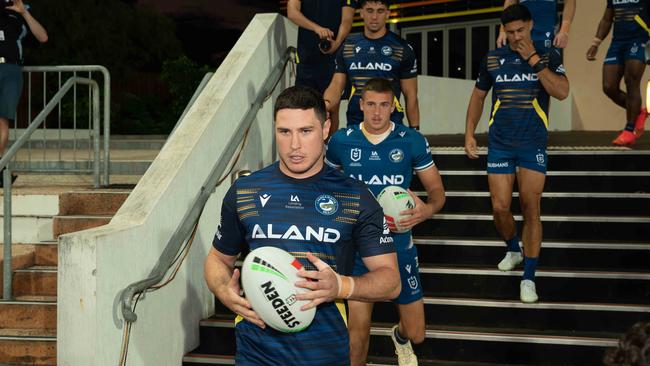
7 275
106 103
192 216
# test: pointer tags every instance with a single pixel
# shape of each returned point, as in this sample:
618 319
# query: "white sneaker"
510 261
527 292
404 352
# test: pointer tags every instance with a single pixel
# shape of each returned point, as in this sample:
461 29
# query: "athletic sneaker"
404 352
510 261
625 138
527 292
639 123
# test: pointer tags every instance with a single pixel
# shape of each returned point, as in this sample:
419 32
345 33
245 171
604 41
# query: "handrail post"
7 274
96 132
107 125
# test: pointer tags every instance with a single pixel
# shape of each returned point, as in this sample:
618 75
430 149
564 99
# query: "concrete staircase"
45 207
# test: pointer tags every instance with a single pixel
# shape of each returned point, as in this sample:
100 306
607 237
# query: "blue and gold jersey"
389 163
361 59
327 14
519 117
544 14
629 19
13 30
327 214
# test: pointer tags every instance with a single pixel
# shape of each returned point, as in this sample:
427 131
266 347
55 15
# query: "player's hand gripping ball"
393 200
268 277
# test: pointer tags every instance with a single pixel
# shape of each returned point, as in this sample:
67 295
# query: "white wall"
95 265
443 106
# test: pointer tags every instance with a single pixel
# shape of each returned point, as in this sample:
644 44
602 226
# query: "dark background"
157 51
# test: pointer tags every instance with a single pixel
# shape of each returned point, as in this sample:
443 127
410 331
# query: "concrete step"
29 229
97 202
46 254
27 350
69 224
19 314
35 281
22 256
39 204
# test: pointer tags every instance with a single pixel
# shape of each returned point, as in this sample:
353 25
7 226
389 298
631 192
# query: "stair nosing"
561 173
548 218
539 273
549 244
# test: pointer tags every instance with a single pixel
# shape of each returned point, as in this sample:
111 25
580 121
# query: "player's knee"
530 211
610 89
632 83
500 211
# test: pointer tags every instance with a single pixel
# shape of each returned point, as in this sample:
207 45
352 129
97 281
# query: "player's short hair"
515 12
378 85
633 348
301 97
362 3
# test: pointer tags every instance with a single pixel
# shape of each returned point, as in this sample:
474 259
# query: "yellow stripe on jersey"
341 306
238 318
494 112
540 112
642 23
398 106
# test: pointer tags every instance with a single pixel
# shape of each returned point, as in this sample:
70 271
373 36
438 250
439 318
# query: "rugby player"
521 81
376 52
544 13
280 206
382 153
625 59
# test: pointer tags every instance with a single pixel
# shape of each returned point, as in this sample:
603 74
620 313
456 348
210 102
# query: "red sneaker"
639 124
625 138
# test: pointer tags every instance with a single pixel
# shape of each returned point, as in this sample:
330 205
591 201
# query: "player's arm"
223 280
562 37
296 16
474 112
555 84
410 89
332 96
501 39
347 15
604 27
379 284
35 27
432 183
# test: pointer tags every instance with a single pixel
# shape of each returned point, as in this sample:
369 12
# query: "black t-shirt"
327 14
12 30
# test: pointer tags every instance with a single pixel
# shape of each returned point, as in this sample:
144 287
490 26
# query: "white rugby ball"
393 200
268 276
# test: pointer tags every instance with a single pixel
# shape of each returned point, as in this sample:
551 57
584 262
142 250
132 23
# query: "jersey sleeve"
555 62
333 147
339 62
230 238
421 153
484 79
371 234
409 67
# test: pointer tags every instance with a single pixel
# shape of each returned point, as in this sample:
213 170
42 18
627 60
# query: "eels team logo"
396 155
326 204
386 51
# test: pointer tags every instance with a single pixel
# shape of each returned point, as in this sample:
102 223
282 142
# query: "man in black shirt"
15 22
324 24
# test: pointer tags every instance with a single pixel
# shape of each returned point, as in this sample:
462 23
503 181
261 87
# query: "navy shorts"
621 51
317 76
11 85
409 270
507 161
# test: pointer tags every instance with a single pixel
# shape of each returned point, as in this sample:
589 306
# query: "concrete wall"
443 106
95 265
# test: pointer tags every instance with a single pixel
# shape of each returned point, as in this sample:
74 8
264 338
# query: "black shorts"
317 76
